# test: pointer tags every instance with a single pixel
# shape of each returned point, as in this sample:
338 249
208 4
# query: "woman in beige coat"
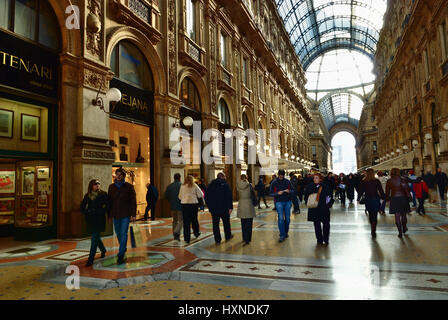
246 210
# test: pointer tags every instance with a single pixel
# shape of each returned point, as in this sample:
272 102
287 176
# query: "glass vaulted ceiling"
336 42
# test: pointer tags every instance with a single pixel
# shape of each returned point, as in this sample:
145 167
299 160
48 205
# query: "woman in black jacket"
95 205
320 215
373 191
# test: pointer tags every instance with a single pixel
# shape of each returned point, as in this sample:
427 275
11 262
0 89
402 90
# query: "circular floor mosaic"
135 261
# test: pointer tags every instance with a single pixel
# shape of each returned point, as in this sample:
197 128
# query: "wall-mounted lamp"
445 126
414 143
293 157
392 154
428 136
113 95
405 148
398 150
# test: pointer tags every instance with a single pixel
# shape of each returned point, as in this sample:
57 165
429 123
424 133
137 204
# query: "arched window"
223 112
189 95
32 19
130 65
245 122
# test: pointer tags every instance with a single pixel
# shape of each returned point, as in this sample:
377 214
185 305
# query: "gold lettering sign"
134 103
12 61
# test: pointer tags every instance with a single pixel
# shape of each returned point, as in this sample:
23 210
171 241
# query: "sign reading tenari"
135 104
28 67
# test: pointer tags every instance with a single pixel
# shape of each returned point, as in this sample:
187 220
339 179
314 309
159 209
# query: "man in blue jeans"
123 209
281 189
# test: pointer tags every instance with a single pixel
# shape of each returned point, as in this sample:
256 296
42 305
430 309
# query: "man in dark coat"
218 198
152 195
172 195
320 216
441 181
123 209
261 192
295 187
430 181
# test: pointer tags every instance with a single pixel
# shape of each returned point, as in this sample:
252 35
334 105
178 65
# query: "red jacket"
419 187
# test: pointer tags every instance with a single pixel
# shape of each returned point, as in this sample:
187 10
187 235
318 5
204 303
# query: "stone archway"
343 126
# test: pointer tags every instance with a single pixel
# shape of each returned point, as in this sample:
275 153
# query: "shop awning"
404 161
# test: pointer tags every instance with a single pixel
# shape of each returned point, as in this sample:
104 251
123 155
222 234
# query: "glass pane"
223 50
4 13
48 27
113 62
25 18
190 19
133 66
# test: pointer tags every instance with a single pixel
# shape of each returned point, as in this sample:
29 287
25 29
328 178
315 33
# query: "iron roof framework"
316 27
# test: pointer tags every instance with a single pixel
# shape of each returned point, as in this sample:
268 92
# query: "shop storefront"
132 119
29 94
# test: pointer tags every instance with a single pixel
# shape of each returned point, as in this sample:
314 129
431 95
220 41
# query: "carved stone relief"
172 50
94 42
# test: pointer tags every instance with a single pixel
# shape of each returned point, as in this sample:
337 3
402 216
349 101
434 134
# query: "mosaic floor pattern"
352 266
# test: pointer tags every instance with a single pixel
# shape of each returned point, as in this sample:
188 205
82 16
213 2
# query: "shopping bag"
136 236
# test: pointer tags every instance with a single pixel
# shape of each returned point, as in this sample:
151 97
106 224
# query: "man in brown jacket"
123 209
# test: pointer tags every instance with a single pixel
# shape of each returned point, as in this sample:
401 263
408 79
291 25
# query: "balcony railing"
194 51
226 77
142 10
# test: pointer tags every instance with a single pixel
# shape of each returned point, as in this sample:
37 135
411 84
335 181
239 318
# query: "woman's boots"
373 232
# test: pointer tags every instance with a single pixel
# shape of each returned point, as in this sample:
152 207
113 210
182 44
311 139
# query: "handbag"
201 202
253 197
362 200
313 200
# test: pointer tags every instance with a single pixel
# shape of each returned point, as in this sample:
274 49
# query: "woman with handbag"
319 200
397 192
370 193
246 207
421 193
191 198
94 206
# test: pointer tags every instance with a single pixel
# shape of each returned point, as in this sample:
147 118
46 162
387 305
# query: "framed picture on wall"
30 127
28 181
27 208
7 181
7 206
6 123
43 173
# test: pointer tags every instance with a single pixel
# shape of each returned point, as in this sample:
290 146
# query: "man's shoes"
103 254
120 260
177 237
152 219
320 242
405 229
89 263
197 235
327 242
287 236
227 239
217 242
281 240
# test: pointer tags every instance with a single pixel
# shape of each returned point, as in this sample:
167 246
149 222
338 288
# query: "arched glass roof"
336 42
341 107
337 70
317 26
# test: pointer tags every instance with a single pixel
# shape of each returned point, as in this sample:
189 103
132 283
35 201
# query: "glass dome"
337 70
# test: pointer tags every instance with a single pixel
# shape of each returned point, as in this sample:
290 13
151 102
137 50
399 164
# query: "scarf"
93 195
119 184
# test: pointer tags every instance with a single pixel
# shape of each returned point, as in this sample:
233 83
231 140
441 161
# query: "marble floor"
352 266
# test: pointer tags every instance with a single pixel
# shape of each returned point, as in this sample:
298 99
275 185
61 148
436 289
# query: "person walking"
342 188
281 191
246 209
397 192
351 188
441 180
189 195
152 195
430 181
373 192
261 192
172 195
302 186
383 180
330 181
274 177
320 216
421 193
94 206
123 209
412 178
203 187
218 197
295 187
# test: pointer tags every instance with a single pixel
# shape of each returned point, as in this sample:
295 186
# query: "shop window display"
130 143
